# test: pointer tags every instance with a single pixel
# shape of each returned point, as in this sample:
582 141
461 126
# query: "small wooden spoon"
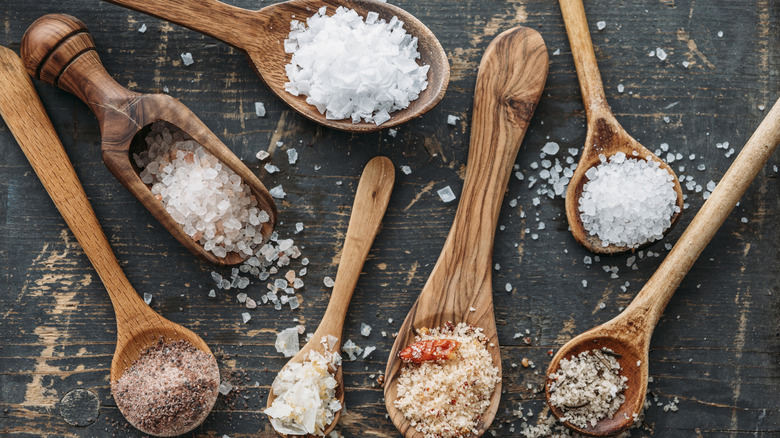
605 136
260 34
371 198
509 84
59 50
138 326
629 333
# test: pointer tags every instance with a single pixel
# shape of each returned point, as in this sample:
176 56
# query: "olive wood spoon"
629 333
138 326
371 198
59 50
605 136
509 84
260 35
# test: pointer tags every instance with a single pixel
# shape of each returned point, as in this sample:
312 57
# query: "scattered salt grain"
551 148
744 220
147 298
365 329
292 156
328 282
368 351
620 88
601 25
142 29
298 227
287 342
262 155
225 388
259 109
277 192
246 317
351 68
660 53
406 170
720 34
452 120
187 59
270 168
212 293
446 194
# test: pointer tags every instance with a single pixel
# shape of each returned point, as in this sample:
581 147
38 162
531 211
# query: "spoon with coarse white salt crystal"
261 36
311 385
627 336
621 196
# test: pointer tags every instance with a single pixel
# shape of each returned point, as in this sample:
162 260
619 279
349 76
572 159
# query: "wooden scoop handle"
23 112
59 50
584 57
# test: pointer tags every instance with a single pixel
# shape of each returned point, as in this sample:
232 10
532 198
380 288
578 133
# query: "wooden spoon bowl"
509 84
371 199
260 34
629 333
605 136
138 326
59 50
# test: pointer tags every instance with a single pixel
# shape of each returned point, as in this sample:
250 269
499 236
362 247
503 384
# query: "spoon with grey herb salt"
625 339
164 377
307 396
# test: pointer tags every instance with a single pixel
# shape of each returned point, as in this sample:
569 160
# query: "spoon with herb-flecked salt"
627 336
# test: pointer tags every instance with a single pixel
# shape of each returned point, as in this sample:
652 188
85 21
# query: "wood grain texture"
715 348
261 34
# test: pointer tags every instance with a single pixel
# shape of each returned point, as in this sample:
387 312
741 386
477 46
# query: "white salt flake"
262 155
328 282
287 342
259 109
142 29
187 59
406 170
277 192
365 329
292 156
452 120
147 298
660 53
446 194
551 148
601 25
246 317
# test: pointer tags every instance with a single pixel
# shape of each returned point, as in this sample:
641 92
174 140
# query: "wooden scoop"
59 50
509 84
138 326
373 194
605 136
261 34
629 333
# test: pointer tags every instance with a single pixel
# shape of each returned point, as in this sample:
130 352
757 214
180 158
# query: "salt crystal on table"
392 132
744 220
298 227
406 170
246 317
452 120
270 168
720 34
446 194
328 282
287 342
601 25
557 52
365 329
212 294
620 88
292 156
142 29
368 351
660 53
251 304
187 58
519 175
584 283
508 287
711 185
241 297
262 155
147 298
225 388
277 192
259 109
551 148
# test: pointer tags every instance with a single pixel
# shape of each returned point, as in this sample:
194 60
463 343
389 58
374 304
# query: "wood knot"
520 111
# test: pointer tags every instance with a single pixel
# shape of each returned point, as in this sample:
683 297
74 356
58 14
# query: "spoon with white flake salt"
59 50
261 35
605 140
307 381
459 290
627 336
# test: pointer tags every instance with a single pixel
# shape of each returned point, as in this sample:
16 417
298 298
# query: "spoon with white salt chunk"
605 137
627 336
261 34
371 198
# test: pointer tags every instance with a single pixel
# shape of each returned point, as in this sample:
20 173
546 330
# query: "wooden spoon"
629 333
373 194
509 84
138 326
605 136
260 34
59 50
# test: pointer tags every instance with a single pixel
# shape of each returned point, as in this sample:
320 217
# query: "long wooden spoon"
371 198
260 34
629 333
605 136
59 50
138 326
509 84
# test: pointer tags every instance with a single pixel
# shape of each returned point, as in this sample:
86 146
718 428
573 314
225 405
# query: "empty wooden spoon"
59 50
629 333
605 136
509 84
138 326
260 34
371 198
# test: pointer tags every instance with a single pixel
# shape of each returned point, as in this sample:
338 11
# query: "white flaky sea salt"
259 109
277 192
627 201
452 120
210 201
446 194
351 67
287 342
306 401
142 29
601 25
187 59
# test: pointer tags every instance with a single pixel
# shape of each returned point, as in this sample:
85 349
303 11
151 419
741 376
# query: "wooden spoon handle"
584 58
230 24
652 299
58 49
373 194
23 112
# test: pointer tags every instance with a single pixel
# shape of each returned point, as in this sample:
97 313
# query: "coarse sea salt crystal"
601 25
287 342
246 317
620 88
365 329
292 156
328 282
259 109
660 53
551 148
446 194
277 192
142 29
225 388
187 59
406 170
270 168
452 120
262 155
147 298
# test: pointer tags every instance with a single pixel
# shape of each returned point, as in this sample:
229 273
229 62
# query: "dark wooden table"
716 350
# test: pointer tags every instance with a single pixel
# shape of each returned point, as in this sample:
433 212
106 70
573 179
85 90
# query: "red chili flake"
429 350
